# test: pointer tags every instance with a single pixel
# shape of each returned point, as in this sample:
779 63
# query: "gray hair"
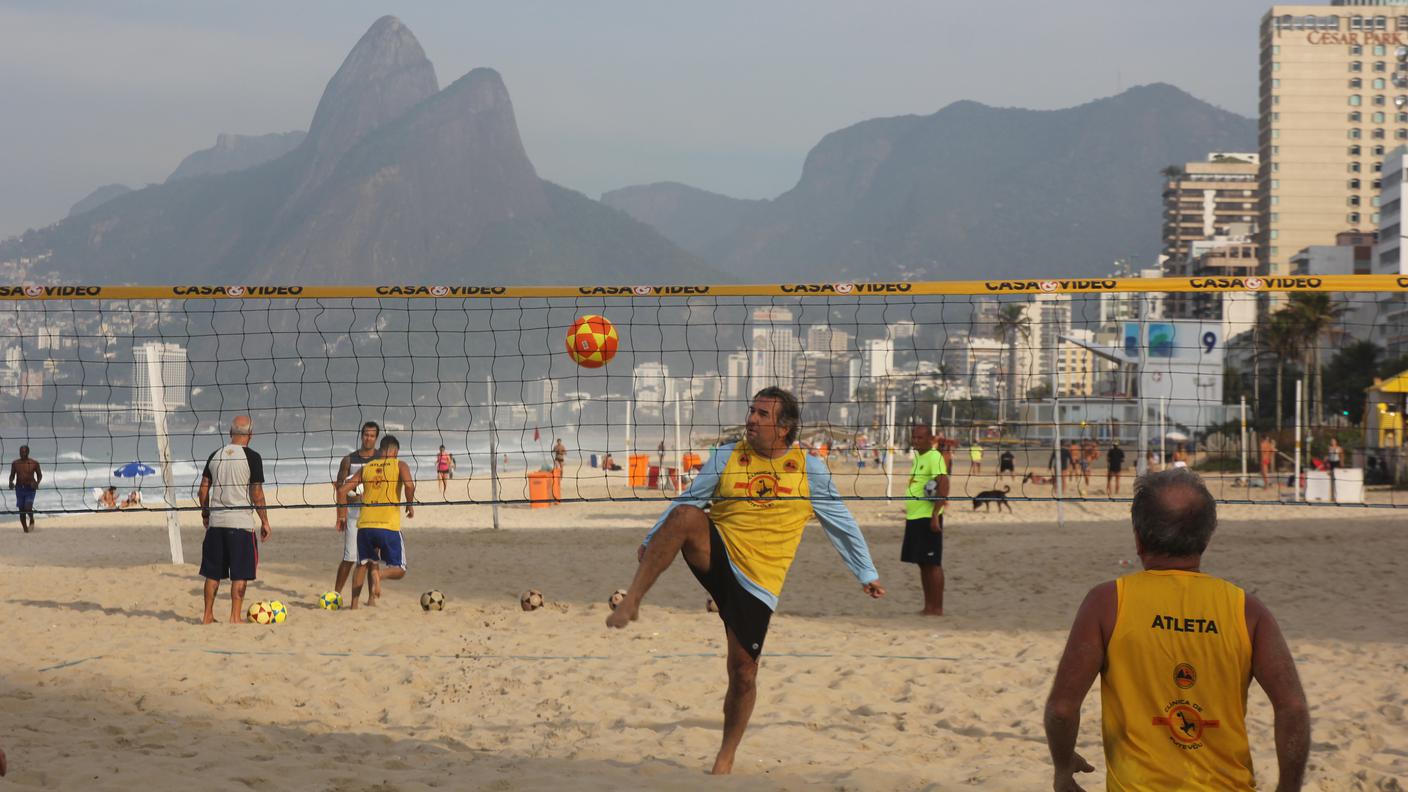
789 413
1173 513
241 425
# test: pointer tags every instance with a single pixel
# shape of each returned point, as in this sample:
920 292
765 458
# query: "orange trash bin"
637 469
540 489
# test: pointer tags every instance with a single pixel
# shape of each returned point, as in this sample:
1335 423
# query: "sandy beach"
109 683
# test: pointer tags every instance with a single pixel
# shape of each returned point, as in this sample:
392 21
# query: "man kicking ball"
379 541
759 493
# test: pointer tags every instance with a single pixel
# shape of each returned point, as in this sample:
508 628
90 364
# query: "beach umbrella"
134 470
1176 436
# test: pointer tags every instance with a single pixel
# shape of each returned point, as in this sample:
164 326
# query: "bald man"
231 493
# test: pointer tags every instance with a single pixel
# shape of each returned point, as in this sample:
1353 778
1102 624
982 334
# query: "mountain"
236 152
971 191
396 181
97 198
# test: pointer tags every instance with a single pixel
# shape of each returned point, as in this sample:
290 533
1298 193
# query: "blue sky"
725 95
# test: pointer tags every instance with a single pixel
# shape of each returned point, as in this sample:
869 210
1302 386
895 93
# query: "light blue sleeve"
841 527
701 491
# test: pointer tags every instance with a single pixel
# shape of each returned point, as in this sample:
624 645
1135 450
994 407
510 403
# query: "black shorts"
742 612
1003 467
231 553
921 545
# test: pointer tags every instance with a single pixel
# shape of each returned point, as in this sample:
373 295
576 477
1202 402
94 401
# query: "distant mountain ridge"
970 191
396 181
236 152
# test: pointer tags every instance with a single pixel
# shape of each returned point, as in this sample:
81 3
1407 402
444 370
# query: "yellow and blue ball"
330 601
280 612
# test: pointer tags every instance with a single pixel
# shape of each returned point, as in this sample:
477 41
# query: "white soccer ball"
931 488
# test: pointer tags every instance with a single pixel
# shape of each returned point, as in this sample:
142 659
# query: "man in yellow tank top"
1175 650
760 493
385 481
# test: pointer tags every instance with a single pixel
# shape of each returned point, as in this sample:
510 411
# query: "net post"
493 455
1246 481
1300 411
889 447
1056 433
163 448
679 450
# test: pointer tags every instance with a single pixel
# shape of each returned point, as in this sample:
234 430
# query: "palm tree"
1314 313
1012 321
1280 339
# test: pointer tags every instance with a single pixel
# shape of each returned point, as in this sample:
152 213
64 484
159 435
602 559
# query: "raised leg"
686 530
738 702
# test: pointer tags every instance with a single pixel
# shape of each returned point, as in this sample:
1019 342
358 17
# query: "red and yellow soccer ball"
592 341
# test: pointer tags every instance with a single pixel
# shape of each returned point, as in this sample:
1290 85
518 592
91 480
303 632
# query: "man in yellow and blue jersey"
385 481
1175 650
759 492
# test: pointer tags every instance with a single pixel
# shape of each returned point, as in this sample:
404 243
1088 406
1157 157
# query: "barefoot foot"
624 614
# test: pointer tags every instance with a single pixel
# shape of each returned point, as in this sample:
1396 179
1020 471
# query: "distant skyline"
727 96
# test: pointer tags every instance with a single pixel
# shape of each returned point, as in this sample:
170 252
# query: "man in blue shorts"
385 481
231 487
25 476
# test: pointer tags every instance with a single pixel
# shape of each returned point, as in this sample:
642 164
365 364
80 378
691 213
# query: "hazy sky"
726 95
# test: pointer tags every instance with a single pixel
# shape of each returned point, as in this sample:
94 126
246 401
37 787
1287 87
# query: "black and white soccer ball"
530 600
432 601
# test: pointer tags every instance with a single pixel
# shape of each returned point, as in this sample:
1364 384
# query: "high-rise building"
773 348
1206 199
1333 99
171 367
1392 309
652 385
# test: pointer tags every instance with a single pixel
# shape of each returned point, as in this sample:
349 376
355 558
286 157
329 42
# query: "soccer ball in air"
330 601
280 612
432 600
530 600
592 341
261 613
617 597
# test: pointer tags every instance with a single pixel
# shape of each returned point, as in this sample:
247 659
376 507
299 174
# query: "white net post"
163 449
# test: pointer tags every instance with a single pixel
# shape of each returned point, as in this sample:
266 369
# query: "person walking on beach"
975 458
1114 467
927 494
231 486
25 476
1267 447
559 454
1175 650
760 492
351 464
1007 464
444 468
385 481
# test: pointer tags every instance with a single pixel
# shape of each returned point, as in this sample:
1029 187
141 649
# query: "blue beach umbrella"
134 470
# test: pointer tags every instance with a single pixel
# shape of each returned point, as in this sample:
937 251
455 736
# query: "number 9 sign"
1209 341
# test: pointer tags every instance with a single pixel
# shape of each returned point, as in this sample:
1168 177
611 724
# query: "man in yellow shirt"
760 493
379 542
1176 651
927 494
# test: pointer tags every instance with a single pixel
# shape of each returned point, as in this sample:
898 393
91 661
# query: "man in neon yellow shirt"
760 493
927 494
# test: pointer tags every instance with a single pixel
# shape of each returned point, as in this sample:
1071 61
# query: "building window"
1400 134
1380 83
1353 151
1356 22
1276 99
1354 167
1403 23
1377 184
1355 133
1275 167
1355 49
1275 184
1355 100
1275 217
1378 151
1380 100
1380 66
1275 66
1353 200
1277 116
1378 134
1355 116
1380 50
1353 218
1401 117
1356 66
1374 201
1381 23
1276 83
1355 83
1275 199
1378 167
1274 151
1354 184
1379 117
1374 218
1274 234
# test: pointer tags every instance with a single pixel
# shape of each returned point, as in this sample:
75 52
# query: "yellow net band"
1327 283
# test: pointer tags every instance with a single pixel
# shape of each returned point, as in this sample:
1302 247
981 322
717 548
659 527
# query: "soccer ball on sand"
330 601
592 341
530 600
432 600
280 612
261 613
617 597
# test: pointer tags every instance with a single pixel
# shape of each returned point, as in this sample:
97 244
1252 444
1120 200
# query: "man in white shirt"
231 487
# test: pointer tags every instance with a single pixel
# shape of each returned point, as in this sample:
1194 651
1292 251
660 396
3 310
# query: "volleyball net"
1030 386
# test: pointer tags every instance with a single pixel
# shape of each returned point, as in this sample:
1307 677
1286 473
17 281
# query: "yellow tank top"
381 479
761 508
1173 692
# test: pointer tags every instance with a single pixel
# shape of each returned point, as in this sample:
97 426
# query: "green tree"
1348 374
1313 314
1012 322
1280 339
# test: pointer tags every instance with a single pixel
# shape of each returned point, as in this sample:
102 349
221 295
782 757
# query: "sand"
109 683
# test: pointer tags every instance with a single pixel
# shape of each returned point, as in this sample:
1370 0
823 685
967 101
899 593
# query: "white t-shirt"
230 471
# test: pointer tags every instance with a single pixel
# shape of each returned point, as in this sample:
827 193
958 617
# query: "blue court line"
491 657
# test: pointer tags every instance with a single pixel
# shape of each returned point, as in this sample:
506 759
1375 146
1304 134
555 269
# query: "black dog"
987 498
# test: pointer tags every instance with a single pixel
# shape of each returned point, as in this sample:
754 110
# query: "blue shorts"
381 545
24 498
